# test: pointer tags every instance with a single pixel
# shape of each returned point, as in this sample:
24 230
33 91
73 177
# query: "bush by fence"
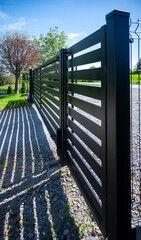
9 90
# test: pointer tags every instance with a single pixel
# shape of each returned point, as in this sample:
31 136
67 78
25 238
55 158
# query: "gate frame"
118 202
118 126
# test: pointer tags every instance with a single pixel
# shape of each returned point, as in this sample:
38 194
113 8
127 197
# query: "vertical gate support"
118 126
31 85
63 101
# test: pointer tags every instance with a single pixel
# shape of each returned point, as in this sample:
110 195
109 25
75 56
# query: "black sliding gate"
84 125
88 110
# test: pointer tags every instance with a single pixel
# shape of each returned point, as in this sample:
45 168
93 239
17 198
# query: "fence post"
118 126
40 90
31 86
63 101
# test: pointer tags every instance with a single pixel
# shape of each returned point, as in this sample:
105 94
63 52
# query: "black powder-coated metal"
86 122
118 126
85 106
93 92
94 139
31 85
63 107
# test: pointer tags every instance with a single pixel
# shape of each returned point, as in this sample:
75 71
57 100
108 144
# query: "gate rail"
92 122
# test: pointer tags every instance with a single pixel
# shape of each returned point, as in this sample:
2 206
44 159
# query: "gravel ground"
38 198
136 158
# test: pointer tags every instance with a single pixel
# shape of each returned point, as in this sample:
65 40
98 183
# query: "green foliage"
2 79
23 88
135 78
3 89
25 76
50 44
138 66
9 90
6 79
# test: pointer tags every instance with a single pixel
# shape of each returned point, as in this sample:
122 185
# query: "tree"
2 77
50 44
17 54
138 66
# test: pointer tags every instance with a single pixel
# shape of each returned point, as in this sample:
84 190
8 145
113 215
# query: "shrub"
9 90
23 88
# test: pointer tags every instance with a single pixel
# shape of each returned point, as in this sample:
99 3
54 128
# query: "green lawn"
3 89
12 100
135 79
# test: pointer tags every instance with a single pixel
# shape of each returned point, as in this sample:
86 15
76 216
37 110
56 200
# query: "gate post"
31 85
118 126
63 102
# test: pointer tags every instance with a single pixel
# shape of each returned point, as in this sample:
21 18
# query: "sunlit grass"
3 89
135 79
12 100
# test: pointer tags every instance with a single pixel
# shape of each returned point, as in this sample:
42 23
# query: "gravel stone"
66 232
39 204
30 235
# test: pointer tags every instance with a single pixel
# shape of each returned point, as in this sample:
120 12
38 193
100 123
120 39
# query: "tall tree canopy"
50 44
17 54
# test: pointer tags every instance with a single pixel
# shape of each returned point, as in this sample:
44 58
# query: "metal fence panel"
86 138
85 99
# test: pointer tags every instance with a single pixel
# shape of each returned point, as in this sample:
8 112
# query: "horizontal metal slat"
36 73
89 91
51 68
89 74
85 153
87 58
37 77
52 99
37 92
91 143
88 190
51 83
37 85
89 41
49 117
50 90
55 109
37 81
35 97
56 119
36 103
89 176
50 61
90 108
50 76
86 122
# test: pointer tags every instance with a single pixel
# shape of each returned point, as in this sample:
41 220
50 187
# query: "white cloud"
34 19
3 15
20 24
74 35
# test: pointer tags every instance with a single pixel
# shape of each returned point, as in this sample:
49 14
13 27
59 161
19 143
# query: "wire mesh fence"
135 121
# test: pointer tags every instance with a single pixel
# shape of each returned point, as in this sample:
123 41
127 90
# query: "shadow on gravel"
33 203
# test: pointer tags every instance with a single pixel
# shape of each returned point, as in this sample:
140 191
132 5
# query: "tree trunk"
17 83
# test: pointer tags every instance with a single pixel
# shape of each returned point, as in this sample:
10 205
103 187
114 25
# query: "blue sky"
77 18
